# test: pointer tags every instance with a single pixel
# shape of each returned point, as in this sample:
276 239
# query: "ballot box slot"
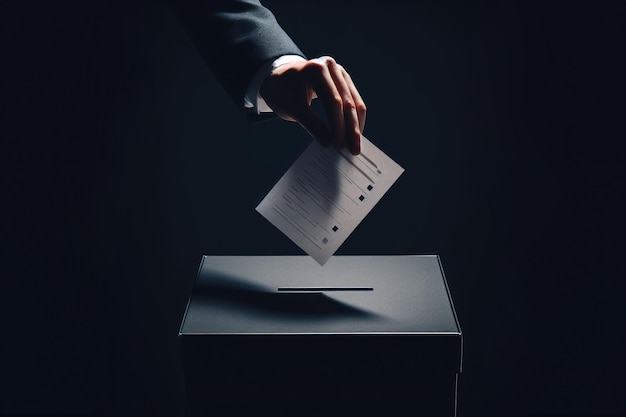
321 289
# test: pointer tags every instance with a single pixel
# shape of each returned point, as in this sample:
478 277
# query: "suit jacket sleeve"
235 38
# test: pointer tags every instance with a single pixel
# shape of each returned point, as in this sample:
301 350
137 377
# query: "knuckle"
336 100
315 66
361 108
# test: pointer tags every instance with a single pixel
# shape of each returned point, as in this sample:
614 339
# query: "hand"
290 88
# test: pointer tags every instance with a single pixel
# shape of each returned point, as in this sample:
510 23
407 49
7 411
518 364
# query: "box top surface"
295 295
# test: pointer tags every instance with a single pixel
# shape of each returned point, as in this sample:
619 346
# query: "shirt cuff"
253 101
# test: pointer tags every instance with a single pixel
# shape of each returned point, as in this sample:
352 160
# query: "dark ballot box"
284 336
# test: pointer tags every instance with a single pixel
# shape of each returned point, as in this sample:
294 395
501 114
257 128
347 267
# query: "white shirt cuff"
253 99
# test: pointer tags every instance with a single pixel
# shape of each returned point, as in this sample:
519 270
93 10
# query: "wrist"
253 101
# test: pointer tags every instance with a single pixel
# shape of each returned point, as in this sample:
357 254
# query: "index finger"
353 108
324 85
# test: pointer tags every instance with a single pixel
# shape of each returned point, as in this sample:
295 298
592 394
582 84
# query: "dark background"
123 161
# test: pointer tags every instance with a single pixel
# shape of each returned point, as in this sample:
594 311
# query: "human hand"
290 89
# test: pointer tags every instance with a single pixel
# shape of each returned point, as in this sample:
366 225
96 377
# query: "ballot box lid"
280 295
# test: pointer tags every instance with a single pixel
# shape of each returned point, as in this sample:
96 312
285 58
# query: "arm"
237 37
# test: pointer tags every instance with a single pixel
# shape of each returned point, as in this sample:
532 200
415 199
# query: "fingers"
350 134
355 118
323 84
291 87
358 101
343 104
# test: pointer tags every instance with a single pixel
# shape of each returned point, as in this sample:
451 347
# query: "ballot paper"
326 193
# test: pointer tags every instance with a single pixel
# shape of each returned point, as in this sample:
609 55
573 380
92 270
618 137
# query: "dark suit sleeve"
235 37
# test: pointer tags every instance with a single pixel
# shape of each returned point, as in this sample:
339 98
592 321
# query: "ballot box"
284 336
